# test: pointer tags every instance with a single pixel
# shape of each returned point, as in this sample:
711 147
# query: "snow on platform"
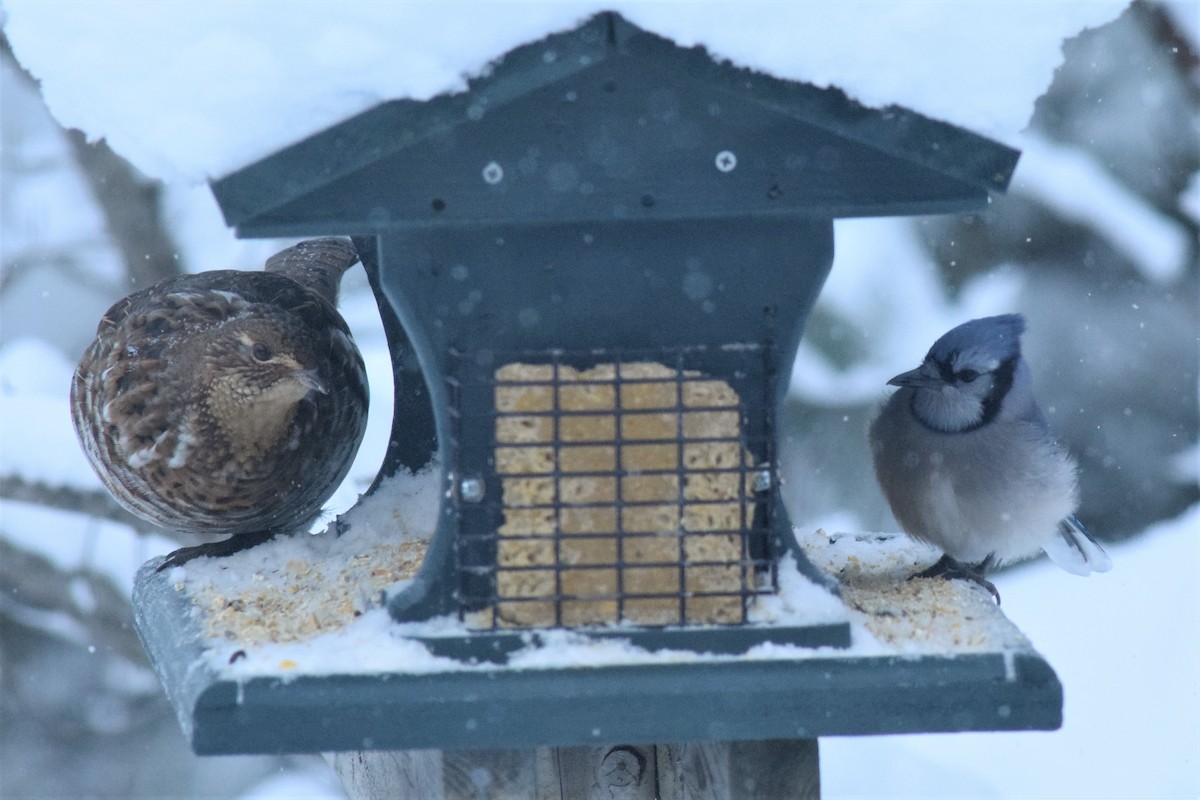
288 647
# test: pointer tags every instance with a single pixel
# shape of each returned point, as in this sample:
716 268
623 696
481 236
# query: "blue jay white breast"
966 459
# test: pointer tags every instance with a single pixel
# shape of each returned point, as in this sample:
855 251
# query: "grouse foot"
225 547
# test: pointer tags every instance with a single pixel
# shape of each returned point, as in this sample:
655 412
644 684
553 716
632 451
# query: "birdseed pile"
303 598
926 615
294 588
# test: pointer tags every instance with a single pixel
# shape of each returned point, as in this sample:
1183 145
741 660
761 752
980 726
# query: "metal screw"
726 161
762 480
493 173
621 769
471 489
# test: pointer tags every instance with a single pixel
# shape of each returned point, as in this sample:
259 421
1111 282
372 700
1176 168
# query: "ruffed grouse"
226 402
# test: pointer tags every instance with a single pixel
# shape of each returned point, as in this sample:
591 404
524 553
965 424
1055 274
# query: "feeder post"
781 769
756 770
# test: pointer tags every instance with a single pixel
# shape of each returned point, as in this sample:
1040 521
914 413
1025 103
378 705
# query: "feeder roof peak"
611 122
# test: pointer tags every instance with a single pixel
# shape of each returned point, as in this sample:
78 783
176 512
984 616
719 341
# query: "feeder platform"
288 648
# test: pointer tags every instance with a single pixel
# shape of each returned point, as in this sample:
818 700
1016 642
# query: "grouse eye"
261 352
967 375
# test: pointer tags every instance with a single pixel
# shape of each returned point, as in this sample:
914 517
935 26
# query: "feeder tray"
929 655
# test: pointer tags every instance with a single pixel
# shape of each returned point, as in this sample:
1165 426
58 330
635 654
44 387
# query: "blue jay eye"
966 375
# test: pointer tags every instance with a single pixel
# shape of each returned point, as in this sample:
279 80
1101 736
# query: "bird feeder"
594 268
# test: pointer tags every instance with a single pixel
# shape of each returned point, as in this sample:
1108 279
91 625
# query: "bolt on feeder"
593 269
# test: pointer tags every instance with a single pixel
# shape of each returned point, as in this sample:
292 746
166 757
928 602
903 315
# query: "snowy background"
1096 243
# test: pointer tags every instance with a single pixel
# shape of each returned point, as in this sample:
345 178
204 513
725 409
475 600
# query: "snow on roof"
191 90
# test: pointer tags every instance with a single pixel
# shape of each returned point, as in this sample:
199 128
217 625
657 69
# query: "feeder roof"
605 122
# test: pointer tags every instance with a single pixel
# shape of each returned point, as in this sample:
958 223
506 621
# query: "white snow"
35 382
870 253
1185 16
258 79
1079 189
1190 199
1126 646
799 601
311 782
74 542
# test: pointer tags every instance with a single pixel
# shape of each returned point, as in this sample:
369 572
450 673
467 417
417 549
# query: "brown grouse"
226 401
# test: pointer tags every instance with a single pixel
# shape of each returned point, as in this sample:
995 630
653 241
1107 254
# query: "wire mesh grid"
634 489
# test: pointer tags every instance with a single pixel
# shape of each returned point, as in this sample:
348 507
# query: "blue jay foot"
951 569
225 547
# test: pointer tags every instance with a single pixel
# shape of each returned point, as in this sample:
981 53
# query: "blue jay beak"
918 378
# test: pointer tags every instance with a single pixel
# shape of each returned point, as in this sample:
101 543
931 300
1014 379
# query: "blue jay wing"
1075 550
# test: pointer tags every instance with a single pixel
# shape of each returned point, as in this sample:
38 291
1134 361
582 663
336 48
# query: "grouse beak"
310 378
918 378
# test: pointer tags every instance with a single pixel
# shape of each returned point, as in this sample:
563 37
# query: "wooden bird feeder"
594 268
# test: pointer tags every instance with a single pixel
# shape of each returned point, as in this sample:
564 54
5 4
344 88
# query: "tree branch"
130 203
131 207
33 583
92 502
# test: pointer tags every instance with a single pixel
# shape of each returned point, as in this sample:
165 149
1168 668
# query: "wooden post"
400 774
769 770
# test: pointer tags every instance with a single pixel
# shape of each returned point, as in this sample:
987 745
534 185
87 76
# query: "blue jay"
967 463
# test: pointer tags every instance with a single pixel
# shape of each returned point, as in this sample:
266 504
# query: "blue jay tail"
1075 550
951 569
